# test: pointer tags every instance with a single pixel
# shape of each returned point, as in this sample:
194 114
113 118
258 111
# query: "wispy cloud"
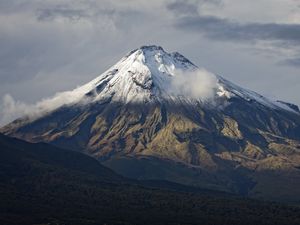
191 7
49 14
12 109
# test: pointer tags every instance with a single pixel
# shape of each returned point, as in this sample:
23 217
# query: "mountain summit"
156 115
151 75
145 74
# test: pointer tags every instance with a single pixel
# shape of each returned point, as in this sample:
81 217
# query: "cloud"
190 7
12 109
183 7
89 11
60 11
197 84
224 29
295 62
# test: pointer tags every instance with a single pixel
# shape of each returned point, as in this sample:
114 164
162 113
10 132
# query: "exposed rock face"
236 141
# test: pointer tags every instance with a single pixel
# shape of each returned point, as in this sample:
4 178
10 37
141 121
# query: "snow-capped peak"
144 74
150 74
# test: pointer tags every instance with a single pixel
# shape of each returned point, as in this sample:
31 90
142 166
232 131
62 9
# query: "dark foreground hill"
41 184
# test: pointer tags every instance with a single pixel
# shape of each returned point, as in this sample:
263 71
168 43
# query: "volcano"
156 115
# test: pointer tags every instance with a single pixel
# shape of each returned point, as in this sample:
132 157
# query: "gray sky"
49 46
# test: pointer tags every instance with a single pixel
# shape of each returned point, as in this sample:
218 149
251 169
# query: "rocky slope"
156 115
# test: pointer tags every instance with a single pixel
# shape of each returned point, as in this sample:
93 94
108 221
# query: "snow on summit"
150 74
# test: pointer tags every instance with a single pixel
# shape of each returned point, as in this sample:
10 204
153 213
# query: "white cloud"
12 109
198 84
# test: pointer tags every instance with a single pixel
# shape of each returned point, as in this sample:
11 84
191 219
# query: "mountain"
42 184
156 115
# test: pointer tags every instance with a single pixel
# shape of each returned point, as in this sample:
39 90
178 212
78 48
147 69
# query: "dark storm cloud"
291 62
183 7
217 28
190 18
78 12
86 10
190 7
224 29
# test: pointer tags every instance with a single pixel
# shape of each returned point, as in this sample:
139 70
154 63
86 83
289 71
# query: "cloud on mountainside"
12 109
199 84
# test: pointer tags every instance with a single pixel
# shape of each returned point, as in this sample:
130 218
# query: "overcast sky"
48 46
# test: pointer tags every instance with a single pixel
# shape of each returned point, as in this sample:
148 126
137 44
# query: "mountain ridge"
130 112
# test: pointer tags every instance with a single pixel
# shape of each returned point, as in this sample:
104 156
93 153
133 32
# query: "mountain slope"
17 155
192 126
41 184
